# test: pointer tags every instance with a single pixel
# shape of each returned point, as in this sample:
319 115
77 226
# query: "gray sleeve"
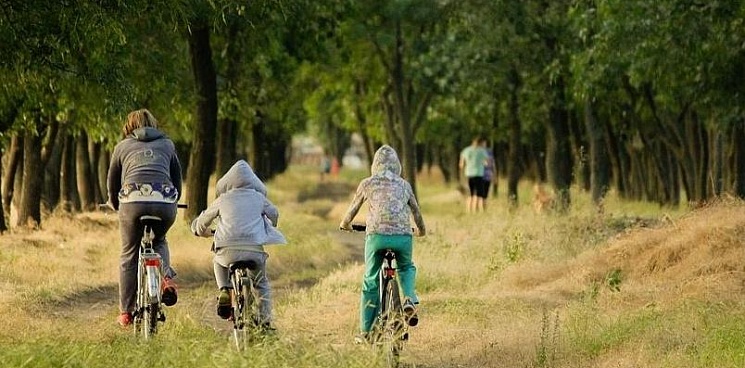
114 178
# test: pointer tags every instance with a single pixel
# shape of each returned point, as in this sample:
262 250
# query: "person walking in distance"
391 205
144 178
489 171
472 162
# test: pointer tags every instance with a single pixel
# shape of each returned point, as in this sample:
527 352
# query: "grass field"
635 286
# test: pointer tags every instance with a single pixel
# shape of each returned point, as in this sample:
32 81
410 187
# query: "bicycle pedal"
162 317
405 336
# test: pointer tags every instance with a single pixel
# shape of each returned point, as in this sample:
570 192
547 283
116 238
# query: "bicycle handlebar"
363 227
105 206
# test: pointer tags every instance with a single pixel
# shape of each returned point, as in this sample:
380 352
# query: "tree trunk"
514 171
227 139
619 161
718 165
738 136
29 211
226 145
360 92
53 168
202 157
15 157
68 182
83 173
599 162
558 153
94 154
104 157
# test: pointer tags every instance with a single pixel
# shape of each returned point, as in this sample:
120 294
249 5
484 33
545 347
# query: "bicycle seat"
149 220
250 264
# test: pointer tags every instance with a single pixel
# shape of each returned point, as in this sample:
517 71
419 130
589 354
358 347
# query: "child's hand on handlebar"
419 232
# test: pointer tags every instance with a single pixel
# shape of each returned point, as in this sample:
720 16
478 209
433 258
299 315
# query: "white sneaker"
410 311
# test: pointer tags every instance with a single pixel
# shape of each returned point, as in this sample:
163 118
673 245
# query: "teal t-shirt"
474 157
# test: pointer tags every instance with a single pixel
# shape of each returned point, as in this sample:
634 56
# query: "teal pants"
375 246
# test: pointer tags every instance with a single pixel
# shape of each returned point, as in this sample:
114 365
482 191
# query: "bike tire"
239 320
150 319
251 311
140 301
393 329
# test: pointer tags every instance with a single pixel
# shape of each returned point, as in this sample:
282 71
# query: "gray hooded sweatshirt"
243 215
144 168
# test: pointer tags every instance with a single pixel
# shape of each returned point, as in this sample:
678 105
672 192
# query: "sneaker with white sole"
411 313
362 338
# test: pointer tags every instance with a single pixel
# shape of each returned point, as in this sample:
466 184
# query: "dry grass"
632 287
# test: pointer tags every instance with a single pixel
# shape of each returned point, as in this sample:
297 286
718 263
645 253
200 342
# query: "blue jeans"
375 246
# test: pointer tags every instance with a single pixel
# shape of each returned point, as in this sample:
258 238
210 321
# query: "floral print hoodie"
391 199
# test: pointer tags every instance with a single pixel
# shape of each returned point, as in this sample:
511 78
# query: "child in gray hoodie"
245 220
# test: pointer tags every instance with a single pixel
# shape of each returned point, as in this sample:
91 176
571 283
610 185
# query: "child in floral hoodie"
245 221
391 204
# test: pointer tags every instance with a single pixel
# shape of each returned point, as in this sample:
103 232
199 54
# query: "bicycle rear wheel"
150 319
140 301
392 327
239 309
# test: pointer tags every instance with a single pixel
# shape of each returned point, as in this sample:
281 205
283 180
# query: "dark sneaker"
410 311
362 338
224 306
267 329
124 319
169 296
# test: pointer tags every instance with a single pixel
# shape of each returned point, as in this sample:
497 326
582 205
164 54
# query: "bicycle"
391 328
246 314
245 308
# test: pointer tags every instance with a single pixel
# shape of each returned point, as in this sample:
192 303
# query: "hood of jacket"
147 134
385 162
240 175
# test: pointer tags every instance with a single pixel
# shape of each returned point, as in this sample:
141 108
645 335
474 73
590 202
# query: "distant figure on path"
325 166
489 171
472 161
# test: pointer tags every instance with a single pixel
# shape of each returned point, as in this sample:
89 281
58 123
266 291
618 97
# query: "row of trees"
643 97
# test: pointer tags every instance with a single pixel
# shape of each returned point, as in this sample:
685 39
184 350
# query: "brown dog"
542 199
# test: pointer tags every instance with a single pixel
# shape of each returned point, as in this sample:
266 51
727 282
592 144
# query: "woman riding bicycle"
144 178
245 222
391 203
